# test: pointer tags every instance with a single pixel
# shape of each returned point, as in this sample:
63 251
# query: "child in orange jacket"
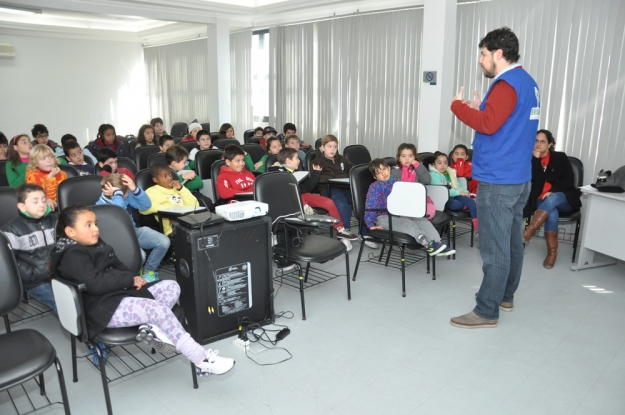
43 170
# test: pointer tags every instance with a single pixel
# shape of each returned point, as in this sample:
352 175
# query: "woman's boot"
552 248
537 220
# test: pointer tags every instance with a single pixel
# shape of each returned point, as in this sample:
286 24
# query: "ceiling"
159 21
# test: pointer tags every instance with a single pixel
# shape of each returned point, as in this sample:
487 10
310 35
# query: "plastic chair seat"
569 216
25 354
312 248
127 335
458 214
440 219
398 237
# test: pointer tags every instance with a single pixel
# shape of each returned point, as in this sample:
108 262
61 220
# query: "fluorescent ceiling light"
18 10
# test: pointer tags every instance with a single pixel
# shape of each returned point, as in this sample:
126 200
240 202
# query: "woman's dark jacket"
559 173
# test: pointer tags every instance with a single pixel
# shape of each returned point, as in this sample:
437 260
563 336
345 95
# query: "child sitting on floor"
233 178
419 228
31 236
459 197
120 190
114 297
43 171
167 193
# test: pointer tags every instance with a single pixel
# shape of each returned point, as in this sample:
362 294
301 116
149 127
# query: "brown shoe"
472 321
552 248
504 305
540 216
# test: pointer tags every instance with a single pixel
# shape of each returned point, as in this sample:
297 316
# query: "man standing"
505 125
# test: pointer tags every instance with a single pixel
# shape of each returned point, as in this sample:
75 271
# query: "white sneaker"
214 365
370 243
347 244
155 337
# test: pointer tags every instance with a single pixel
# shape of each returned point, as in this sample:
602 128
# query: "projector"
242 210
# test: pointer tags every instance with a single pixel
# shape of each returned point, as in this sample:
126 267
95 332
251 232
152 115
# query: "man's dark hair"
163 138
38 129
157 168
66 138
503 39
233 150
70 146
3 139
286 153
105 154
157 120
289 126
376 164
25 189
176 153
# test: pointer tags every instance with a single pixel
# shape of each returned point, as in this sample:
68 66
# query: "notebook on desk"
297 201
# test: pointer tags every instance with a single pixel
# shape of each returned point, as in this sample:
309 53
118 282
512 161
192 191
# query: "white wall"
72 86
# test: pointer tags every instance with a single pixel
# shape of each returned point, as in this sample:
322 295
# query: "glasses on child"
42 135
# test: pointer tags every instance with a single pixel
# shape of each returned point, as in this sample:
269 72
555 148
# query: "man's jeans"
157 242
43 293
500 214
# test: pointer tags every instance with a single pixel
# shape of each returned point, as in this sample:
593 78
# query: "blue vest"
506 156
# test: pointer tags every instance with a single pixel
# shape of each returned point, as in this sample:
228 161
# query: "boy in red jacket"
233 178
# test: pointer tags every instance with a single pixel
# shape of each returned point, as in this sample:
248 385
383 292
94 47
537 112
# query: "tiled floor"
561 351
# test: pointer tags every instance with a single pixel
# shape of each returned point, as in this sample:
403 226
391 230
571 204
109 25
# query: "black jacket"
106 278
337 168
32 241
560 174
306 185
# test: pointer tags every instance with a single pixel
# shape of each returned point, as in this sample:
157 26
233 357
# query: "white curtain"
241 82
177 86
355 77
575 50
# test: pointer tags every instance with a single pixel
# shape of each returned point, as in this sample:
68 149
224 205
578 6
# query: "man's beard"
490 73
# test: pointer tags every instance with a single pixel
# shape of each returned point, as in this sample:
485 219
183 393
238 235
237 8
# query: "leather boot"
552 248
540 216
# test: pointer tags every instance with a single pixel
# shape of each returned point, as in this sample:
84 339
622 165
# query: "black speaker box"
224 272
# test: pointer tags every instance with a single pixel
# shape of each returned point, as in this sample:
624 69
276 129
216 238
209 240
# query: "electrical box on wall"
7 51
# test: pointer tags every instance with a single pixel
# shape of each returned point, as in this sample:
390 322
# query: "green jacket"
18 176
195 184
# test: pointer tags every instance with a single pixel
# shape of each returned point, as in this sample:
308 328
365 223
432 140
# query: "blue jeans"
343 200
459 202
43 293
553 205
500 213
157 242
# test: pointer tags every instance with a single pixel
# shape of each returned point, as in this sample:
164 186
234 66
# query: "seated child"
258 132
4 146
85 151
293 141
459 198
74 153
268 132
19 149
194 128
419 228
463 166
31 235
177 159
204 143
273 147
290 128
288 160
409 169
159 129
114 297
167 193
335 166
233 178
108 157
120 190
43 170
164 142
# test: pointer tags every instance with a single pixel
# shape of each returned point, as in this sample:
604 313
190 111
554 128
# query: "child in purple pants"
114 297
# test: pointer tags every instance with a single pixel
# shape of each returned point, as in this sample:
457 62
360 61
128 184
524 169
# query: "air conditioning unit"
7 51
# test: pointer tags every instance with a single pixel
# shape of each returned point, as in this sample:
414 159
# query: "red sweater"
499 106
229 182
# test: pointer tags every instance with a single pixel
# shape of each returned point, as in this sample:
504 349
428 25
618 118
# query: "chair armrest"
79 286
